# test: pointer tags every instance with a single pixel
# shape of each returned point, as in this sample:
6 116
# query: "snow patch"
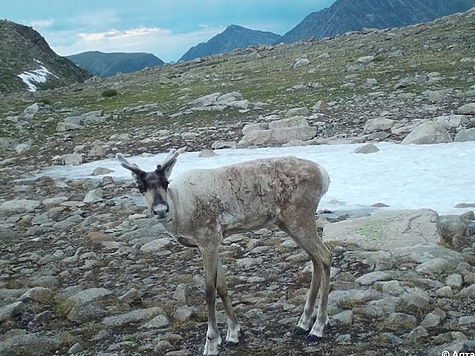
402 176
35 76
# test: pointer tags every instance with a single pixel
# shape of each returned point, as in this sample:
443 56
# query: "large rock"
90 295
380 124
10 310
29 345
452 225
423 253
386 230
279 136
290 122
72 159
367 149
132 317
452 121
255 127
465 135
156 245
20 205
467 109
428 133
68 126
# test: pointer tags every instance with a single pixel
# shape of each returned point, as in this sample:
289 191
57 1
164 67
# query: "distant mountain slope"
354 15
28 63
109 64
232 37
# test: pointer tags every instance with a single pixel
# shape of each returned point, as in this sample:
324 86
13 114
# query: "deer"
201 207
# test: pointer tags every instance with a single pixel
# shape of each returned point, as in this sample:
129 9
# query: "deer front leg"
234 329
210 262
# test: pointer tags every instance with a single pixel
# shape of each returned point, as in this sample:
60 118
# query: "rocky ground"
84 271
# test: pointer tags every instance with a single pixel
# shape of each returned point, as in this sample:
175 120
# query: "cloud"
164 43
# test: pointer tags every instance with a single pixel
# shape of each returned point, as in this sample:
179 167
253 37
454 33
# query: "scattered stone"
428 133
433 319
10 310
72 159
435 266
372 277
20 205
386 230
89 295
468 292
465 135
132 317
33 344
156 245
454 281
300 63
452 225
467 109
366 149
184 313
93 196
100 171
444 292
418 333
158 322
380 124
38 294
343 318
207 154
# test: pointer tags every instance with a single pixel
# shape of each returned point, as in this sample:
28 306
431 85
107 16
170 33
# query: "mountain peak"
234 36
109 64
354 15
29 63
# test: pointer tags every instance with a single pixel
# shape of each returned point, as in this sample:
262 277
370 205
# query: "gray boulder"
289 122
465 135
379 124
386 230
29 345
19 205
255 127
72 159
366 149
467 109
278 136
302 111
452 225
428 133
10 310
452 121
132 317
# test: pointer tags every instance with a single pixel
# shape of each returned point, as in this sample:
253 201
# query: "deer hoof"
300 331
313 338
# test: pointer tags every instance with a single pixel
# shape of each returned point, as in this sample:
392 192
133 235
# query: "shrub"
46 101
108 93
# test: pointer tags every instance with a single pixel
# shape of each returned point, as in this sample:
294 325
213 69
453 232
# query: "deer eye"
141 187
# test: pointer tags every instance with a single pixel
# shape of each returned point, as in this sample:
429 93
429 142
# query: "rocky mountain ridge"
232 37
109 64
355 15
27 62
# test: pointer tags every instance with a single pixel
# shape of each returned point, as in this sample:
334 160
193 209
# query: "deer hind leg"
302 228
234 329
210 262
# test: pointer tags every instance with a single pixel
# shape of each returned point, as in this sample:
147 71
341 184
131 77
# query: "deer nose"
161 210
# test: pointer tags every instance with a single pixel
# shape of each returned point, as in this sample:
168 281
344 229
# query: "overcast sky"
167 28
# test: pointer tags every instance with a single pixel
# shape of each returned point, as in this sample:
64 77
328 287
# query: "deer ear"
168 163
131 167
